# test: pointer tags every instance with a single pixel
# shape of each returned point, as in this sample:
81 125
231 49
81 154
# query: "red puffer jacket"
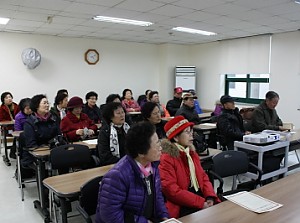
175 180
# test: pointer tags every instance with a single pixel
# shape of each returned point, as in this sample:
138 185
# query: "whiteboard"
186 82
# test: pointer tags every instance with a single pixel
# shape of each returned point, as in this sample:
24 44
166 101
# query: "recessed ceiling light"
122 21
4 21
194 31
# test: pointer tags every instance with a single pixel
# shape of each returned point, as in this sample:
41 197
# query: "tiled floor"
13 210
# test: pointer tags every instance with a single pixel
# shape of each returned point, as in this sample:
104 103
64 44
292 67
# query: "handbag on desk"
200 144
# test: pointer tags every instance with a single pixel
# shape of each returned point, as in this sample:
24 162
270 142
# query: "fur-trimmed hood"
171 149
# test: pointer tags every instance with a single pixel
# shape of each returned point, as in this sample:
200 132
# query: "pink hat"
176 125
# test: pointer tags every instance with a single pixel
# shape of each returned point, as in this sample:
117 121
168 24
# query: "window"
247 88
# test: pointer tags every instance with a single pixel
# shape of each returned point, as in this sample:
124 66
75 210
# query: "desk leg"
64 211
5 157
286 157
40 204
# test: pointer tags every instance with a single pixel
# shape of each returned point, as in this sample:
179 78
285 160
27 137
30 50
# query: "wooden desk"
205 126
68 185
204 115
42 154
284 191
294 145
4 125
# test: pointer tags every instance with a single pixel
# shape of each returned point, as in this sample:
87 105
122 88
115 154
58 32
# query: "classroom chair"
64 159
232 163
88 199
23 174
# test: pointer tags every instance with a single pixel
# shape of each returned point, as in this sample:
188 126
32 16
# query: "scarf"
113 139
42 118
194 181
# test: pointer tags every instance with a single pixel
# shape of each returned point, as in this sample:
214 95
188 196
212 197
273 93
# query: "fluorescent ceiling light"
4 21
194 31
122 21
297 1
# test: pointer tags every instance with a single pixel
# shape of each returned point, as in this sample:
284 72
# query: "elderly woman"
76 125
111 138
185 185
151 113
8 109
40 127
131 190
90 107
60 106
128 102
23 114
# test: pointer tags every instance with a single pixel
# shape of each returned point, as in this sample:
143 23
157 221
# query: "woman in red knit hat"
76 125
185 185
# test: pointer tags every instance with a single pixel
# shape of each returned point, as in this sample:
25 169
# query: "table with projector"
262 143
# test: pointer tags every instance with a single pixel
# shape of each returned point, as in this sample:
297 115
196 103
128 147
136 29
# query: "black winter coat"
230 127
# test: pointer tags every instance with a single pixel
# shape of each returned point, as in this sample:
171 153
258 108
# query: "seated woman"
39 128
111 138
8 109
151 113
115 98
76 125
23 114
91 109
128 102
185 185
60 105
131 190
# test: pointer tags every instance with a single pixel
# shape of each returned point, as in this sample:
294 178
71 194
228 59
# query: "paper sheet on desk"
91 141
253 202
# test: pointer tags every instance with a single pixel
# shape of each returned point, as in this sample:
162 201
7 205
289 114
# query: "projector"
261 138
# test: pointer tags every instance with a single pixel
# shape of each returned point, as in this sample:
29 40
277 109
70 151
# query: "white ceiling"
228 18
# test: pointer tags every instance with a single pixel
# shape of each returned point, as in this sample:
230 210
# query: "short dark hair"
108 110
138 138
112 97
3 95
271 94
24 103
124 93
62 91
152 93
60 97
91 94
146 92
35 101
147 109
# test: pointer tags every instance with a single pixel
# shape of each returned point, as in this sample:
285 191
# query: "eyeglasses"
188 132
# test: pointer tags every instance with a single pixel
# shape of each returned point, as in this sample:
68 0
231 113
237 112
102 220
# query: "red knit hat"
176 125
75 102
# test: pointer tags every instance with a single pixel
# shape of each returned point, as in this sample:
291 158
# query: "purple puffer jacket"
122 190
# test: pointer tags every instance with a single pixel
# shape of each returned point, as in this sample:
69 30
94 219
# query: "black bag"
57 141
200 144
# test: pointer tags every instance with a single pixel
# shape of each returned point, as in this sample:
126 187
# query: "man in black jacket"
174 104
187 109
230 123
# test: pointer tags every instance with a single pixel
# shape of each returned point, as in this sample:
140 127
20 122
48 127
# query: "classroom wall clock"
91 56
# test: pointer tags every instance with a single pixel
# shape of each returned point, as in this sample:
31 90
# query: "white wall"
122 65
285 75
148 66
